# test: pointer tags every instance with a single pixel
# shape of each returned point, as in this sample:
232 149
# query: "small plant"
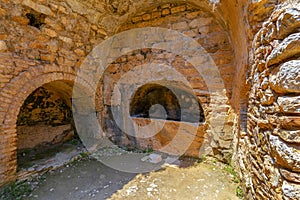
203 158
239 192
16 191
84 155
231 170
74 142
148 150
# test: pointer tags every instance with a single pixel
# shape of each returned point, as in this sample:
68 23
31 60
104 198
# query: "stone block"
38 7
291 190
180 26
288 22
289 104
21 20
49 32
146 17
178 9
285 155
199 22
288 136
165 12
48 57
137 19
290 176
288 48
3 46
286 78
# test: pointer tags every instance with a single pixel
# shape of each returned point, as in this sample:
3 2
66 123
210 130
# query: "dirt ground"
84 179
202 181
90 179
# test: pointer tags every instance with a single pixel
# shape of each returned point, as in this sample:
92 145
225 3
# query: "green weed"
15 191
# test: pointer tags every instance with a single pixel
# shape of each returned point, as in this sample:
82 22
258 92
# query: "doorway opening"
46 133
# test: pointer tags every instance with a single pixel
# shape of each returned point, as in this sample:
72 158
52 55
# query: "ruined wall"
44 119
42 42
270 148
208 30
33 52
46 41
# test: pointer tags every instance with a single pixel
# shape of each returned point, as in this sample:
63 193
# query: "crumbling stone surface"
41 135
44 119
270 149
284 50
207 30
286 78
42 42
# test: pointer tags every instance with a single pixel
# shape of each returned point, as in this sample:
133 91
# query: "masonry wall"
37 47
207 29
45 42
269 149
44 119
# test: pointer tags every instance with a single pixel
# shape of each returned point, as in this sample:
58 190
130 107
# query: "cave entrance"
46 133
170 103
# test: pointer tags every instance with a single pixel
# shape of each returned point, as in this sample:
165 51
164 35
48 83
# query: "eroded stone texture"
273 126
44 119
288 22
288 48
285 155
290 176
289 136
3 46
39 135
45 41
286 78
291 190
206 29
289 104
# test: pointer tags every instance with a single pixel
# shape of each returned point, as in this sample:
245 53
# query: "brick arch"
12 98
214 38
144 6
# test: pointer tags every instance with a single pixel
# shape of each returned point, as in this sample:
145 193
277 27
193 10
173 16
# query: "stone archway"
46 129
207 29
13 96
145 100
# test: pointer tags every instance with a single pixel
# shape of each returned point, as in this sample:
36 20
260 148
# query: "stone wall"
44 107
43 44
269 149
44 119
208 30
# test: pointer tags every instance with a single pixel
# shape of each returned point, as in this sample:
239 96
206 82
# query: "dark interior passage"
165 102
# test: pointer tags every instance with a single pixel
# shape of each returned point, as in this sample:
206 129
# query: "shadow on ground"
85 179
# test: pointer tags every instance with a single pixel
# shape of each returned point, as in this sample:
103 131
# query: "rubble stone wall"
269 149
255 45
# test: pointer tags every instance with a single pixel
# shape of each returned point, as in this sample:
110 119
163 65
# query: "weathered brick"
178 9
165 12
146 17
49 32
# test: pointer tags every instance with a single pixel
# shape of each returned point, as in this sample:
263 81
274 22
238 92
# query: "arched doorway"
14 94
182 106
45 128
